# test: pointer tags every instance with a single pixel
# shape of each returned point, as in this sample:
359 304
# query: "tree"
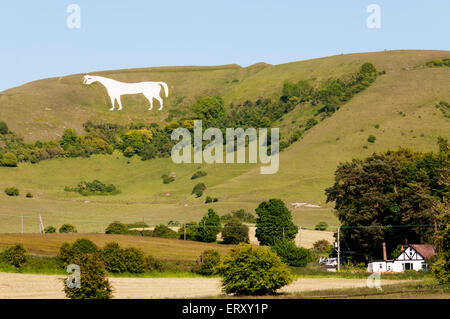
113 258
322 246
67 228
12 191
291 254
209 227
368 69
234 232
274 221
3 128
208 262
250 270
321 226
50 230
188 231
164 232
16 255
116 228
211 111
134 260
199 189
9 159
379 192
93 281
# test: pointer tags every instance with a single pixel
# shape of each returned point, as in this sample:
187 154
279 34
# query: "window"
407 266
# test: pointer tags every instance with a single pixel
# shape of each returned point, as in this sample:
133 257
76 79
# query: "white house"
412 257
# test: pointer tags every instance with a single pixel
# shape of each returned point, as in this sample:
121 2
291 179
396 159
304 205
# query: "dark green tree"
274 221
209 227
234 232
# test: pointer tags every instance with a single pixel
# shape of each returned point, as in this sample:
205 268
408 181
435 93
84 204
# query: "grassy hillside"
400 103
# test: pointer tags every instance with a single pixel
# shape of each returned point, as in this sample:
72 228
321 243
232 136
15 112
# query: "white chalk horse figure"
151 90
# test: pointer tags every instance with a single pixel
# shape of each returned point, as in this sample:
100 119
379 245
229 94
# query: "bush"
3 128
189 229
94 284
321 246
153 264
167 179
164 232
321 226
291 254
84 246
116 228
67 228
209 227
208 200
9 159
50 230
93 188
29 195
274 221
208 262
234 232
113 258
16 255
371 139
198 174
12 191
252 270
241 215
310 123
199 189
134 260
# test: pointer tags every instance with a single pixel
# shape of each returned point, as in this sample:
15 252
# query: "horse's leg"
160 102
120 103
112 102
150 99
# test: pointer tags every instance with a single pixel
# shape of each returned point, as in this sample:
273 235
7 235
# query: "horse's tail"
166 88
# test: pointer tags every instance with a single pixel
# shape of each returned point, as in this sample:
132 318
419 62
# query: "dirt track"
24 286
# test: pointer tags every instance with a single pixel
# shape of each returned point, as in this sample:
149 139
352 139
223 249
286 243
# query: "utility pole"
21 224
339 249
184 231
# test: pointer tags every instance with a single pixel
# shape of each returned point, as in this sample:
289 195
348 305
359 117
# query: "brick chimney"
384 251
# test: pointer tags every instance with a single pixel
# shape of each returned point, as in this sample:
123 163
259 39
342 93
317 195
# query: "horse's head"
89 79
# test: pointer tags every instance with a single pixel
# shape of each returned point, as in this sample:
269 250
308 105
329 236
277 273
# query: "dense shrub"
198 174
16 255
12 191
113 258
208 262
241 215
29 195
134 260
252 270
322 246
198 189
3 128
67 228
321 226
84 246
310 123
274 221
94 283
188 231
50 230
93 188
9 159
371 139
153 264
291 254
164 232
116 228
234 232
209 227
167 179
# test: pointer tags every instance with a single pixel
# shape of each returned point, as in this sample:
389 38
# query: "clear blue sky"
36 43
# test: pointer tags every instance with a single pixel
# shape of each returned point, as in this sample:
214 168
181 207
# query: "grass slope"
306 167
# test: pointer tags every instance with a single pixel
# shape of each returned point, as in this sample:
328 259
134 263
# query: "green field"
43 109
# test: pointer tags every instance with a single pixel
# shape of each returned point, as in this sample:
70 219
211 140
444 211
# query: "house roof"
427 251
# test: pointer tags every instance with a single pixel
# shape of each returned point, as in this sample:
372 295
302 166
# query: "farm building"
412 257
